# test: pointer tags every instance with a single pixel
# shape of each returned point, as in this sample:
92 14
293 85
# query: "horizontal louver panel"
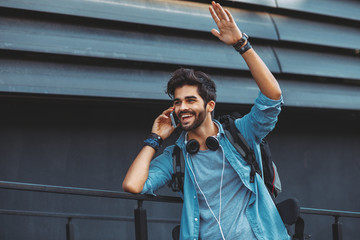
173 14
347 9
38 77
318 63
43 44
317 33
124 45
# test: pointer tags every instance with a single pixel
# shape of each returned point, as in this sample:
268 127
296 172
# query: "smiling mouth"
185 117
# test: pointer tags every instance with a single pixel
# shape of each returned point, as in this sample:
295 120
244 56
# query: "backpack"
271 177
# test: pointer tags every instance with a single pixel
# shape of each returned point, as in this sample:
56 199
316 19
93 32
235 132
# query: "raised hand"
229 32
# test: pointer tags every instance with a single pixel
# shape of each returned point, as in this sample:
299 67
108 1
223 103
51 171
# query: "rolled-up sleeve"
160 172
261 119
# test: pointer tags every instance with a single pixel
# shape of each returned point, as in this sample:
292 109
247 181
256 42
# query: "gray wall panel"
319 33
320 95
348 9
82 80
115 82
318 63
271 3
174 14
52 36
83 41
238 90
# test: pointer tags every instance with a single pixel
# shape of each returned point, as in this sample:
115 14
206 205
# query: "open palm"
228 32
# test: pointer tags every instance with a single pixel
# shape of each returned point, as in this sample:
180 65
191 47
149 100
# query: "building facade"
82 81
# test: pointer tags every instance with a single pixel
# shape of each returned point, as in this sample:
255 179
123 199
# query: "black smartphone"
174 119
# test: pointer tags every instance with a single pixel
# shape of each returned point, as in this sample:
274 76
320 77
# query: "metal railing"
337 226
140 219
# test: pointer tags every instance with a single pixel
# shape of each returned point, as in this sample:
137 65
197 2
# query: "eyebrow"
187 97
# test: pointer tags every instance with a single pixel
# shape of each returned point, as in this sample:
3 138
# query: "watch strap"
241 42
240 47
246 47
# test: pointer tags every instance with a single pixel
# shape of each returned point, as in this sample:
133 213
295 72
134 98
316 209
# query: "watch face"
243 38
241 41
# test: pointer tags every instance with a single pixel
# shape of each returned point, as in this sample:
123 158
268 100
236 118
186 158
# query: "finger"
221 12
168 111
213 14
229 16
162 119
217 10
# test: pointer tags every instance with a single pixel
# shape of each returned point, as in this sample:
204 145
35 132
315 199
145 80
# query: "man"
220 201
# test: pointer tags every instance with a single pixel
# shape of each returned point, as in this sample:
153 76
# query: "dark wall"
70 143
91 143
320 164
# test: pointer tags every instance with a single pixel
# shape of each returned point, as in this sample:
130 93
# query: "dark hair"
185 76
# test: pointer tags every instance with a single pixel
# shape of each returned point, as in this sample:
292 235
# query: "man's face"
189 107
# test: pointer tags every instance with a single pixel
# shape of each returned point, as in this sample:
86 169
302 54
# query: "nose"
183 106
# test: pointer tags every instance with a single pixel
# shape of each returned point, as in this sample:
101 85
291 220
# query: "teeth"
184 116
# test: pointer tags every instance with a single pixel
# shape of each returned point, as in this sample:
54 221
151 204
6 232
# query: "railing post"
140 222
337 229
70 231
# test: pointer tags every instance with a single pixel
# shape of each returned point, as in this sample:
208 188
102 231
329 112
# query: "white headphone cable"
206 201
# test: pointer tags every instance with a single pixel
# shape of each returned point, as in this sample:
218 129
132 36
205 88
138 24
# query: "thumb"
215 33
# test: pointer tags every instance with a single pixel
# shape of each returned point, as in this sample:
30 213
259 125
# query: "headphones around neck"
193 146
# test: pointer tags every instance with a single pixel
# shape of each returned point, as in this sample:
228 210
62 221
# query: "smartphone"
174 119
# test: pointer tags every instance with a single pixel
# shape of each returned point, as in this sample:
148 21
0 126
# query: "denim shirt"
261 212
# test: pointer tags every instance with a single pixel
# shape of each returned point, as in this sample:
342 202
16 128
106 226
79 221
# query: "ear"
210 106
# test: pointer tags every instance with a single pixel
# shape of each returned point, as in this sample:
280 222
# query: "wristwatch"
241 42
239 45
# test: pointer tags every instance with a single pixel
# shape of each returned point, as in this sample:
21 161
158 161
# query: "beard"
199 119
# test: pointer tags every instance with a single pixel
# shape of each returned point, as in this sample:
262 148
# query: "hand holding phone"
164 123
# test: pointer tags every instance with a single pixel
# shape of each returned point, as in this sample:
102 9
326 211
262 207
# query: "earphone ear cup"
192 146
212 143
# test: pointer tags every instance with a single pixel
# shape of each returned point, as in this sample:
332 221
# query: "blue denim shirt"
261 212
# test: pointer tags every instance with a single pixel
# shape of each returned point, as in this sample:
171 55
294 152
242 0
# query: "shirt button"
194 196
196 219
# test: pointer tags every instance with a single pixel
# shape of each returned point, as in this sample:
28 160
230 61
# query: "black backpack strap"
240 144
177 178
239 138
238 141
